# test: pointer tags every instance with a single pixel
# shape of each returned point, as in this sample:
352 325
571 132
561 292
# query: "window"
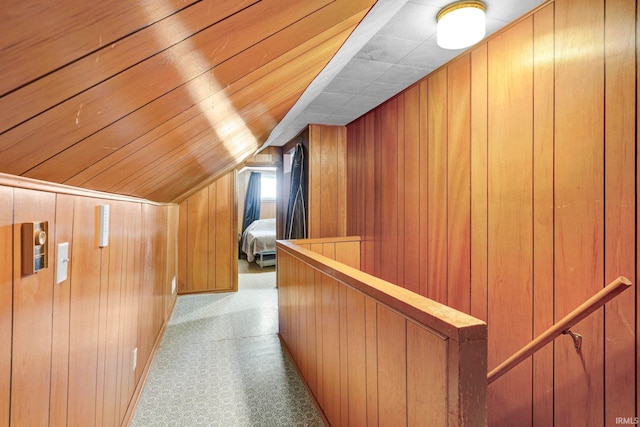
268 187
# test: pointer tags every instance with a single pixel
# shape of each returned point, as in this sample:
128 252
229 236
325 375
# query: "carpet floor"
220 363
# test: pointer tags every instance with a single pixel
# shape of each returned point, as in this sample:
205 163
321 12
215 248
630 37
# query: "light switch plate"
62 262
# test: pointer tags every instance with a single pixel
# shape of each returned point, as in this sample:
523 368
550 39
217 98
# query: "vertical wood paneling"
312 329
411 188
620 147
315 181
458 185
424 190
579 196
371 346
425 407
389 192
317 279
225 277
344 360
32 317
347 253
637 231
370 197
331 350
392 368
210 220
479 235
543 213
60 329
83 317
71 345
207 240
113 313
327 182
198 239
437 187
125 347
553 119
102 318
6 299
182 247
510 186
356 358
400 190
341 185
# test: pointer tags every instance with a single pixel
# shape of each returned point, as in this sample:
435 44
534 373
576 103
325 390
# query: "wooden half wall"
372 353
504 185
67 350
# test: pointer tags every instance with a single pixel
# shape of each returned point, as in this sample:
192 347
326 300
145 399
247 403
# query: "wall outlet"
135 358
173 285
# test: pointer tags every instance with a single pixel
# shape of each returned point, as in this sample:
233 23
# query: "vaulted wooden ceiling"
153 99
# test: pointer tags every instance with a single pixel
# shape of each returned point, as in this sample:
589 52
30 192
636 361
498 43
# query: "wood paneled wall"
207 242
327 181
370 352
504 184
66 350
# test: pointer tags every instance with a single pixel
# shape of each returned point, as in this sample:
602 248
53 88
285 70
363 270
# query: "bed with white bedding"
259 242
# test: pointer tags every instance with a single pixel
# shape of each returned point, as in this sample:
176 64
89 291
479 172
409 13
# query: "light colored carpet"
220 363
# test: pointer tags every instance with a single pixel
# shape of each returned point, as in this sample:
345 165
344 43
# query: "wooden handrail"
605 295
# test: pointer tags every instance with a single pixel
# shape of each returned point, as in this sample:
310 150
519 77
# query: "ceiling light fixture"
461 24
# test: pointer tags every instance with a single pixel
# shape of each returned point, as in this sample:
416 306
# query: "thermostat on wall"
35 253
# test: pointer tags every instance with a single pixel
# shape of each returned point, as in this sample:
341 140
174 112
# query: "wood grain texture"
579 195
182 246
356 402
413 197
552 173
372 370
6 298
392 368
198 238
459 185
32 317
84 315
479 209
437 187
620 146
543 213
425 406
126 102
510 187
72 345
208 246
327 184
389 191
65 205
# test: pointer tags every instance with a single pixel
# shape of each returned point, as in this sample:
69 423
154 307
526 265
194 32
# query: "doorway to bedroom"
257 201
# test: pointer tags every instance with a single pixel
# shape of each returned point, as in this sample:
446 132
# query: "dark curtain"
296 223
252 201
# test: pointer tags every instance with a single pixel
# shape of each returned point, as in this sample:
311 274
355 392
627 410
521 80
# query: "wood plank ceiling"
153 99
